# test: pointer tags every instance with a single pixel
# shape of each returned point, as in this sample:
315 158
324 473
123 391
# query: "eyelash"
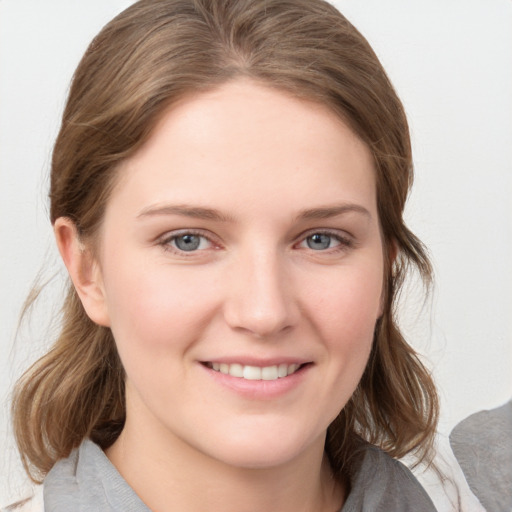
344 242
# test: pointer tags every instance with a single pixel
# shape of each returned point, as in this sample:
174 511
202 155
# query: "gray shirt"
87 482
482 444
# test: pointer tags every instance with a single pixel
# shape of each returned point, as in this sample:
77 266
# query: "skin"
289 267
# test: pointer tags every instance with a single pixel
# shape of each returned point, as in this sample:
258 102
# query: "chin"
261 448
257 457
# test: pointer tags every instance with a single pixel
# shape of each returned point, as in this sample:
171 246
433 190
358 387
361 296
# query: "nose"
261 299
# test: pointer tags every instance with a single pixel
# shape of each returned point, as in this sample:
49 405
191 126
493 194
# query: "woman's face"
241 269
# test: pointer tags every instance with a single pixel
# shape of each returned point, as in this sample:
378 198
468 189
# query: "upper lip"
252 361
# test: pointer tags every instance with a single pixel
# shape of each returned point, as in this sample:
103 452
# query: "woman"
227 193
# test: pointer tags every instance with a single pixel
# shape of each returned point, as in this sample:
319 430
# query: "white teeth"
269 373
252 373
236 370
256 372
292 368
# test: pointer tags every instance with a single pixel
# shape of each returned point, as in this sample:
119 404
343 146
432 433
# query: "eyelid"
338 233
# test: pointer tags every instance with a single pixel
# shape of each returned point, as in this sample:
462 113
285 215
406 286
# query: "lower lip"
259 389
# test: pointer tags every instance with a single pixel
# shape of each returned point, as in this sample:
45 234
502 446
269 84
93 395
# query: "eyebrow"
198 212
195 212
332 211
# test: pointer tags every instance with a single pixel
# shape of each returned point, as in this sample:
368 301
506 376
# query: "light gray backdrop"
451 63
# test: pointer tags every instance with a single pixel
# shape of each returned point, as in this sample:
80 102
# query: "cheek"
347 318
350 305
343 315
153 308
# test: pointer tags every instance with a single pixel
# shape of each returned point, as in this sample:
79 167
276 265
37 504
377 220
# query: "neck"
172 475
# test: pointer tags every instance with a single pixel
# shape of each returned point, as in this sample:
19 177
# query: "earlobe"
83 270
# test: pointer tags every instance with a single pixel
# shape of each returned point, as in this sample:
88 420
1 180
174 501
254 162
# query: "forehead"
245 143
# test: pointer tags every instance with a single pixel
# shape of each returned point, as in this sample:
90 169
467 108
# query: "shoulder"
379 482
481 444
33 503
377 464
484 426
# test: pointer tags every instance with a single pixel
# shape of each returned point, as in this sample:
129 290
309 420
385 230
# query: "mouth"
248 372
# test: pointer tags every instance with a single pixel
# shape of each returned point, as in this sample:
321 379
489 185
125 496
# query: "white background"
451 62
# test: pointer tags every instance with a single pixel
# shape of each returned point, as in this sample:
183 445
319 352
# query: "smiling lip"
252 372
258 380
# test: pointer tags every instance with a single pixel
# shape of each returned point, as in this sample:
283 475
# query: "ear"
390 254
83 269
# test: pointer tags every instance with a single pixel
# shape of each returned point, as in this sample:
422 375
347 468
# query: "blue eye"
189 242
321 241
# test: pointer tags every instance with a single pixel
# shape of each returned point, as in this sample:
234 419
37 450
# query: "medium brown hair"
143 61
